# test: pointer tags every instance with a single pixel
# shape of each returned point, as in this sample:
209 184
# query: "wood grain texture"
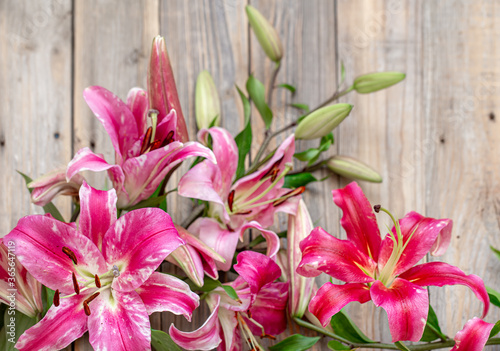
434 137
35 113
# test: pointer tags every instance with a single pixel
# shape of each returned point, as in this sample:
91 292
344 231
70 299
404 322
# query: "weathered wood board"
434 137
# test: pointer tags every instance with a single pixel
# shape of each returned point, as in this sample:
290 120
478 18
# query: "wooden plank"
112 47
35 113
35 85
204 35
460 68
307 31
385 129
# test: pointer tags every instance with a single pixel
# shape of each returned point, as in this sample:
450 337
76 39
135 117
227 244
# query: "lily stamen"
56 298
70 254
75 284
97 281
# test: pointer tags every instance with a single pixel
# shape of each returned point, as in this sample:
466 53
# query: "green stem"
334 97
271 86
75 214
265 143
376 345
197 211
311 168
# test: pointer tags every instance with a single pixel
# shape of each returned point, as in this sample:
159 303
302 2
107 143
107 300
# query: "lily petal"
204 182
358 219
322 252
115 116
161 87
163 292
269 309
440 274
257 269
186 257
119 322
147 171
226 154
273 241
86 160
473 336
39 241
137 243
407 306
223 241
138 104
206 337
331 298
98 215
47 187
420 235
59 328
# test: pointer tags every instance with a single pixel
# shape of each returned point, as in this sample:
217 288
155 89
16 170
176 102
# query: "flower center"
386 275
91 282
243 202
150 143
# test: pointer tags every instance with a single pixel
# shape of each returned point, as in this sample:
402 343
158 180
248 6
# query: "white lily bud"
207 102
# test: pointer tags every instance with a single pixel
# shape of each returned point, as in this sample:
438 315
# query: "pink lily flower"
382 270
252 199
473 336
195 258
103 274
48 186
143 157
260 310
18 288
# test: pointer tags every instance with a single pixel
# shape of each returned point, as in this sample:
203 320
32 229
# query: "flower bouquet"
100 271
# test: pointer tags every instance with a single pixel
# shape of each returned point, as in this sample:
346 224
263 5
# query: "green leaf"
494 296
343 326
288 87
50 207
300 179
231 292
244 138
307 155
497 252
257 93
161 341
337 346
495 330
326 142
47 298
151 202
432 330
304 107
19 324
295 342
401 346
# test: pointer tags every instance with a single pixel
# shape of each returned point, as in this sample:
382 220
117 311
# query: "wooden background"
434 137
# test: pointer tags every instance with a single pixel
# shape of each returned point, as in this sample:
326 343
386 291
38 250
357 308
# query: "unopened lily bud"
48 186
321 122
299 227
207 102
353 169
161 87
265 33
369 83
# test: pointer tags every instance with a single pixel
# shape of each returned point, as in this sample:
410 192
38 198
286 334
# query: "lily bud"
353 169
321 122
369 83
161 87
265 33
48 186
299 227
207 102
